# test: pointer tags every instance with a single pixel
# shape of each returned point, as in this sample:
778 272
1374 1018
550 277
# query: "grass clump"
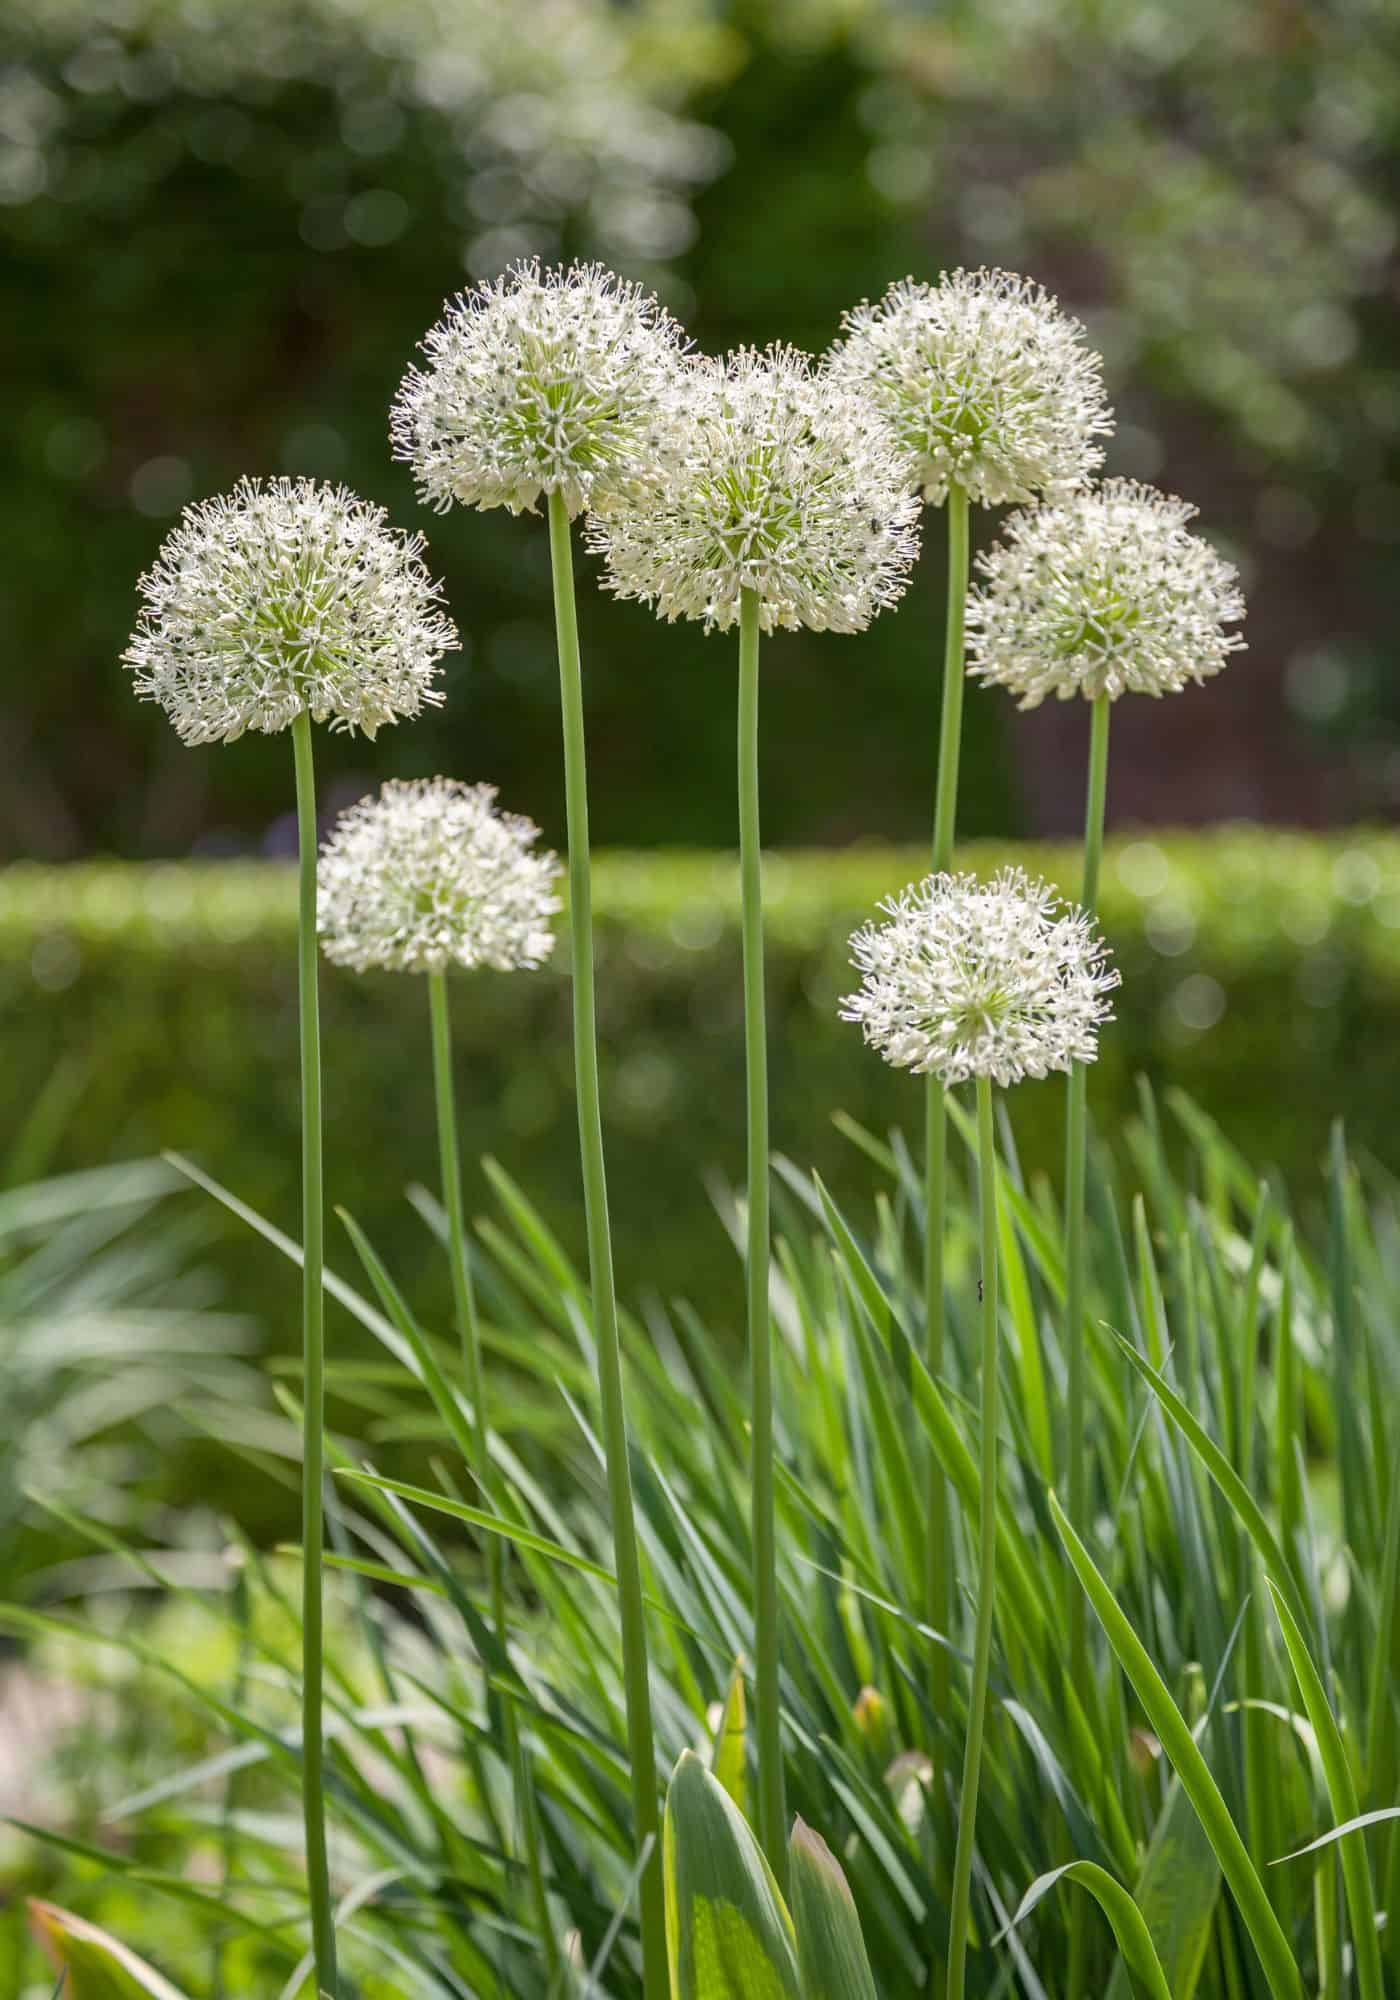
1242 1371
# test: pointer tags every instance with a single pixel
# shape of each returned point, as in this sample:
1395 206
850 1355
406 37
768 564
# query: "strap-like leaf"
728 1934
1129 1926
1341 1786
730 1762
1335 1833
1177 1892
1247 1509
830 1947
95 1966
1275 1952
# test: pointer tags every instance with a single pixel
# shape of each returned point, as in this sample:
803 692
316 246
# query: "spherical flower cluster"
287 597
1106 593
784 483
429 875
996 979
987 384
556 381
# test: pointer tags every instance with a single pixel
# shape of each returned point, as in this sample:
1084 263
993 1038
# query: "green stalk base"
314 1363
772 1803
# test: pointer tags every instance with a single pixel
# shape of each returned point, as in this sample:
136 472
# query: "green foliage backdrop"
1261 974
223 226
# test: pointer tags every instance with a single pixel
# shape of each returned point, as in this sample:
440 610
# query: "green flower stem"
945 812
772 1807
640 1741
987 1549
469 1333
314 1362
938 1549
1097 792
463 1293
1076 1124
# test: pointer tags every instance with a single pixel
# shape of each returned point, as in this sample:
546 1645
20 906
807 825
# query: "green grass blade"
1384 1678
1341 1787
98 1967
444 1398
1177 1893
1134 1938
1016 1295
1236 1493
728 1934
730 1761
492 1524
830 1948
1380 1816
1173 1733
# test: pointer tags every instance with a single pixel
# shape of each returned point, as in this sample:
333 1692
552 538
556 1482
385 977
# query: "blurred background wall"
225 223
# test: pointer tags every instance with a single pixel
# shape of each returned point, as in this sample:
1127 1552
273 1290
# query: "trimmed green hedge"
1261 971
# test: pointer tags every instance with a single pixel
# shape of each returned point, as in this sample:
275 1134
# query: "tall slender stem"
945 810
314 1364
938 1549
469 1333
463 1292
772 1809
1076 1124
987 1550
640 1741
449 1156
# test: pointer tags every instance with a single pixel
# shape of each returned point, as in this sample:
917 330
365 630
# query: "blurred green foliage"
224 224
1261 973
107 1329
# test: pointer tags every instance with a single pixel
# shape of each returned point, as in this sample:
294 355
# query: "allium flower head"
429 875
554 381
996 979
784 482
1106 593
286 596
987 384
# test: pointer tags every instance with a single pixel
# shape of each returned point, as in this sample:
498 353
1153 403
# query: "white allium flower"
286 596
1106 593
986 382
784 482
429 875
539 382
997 979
